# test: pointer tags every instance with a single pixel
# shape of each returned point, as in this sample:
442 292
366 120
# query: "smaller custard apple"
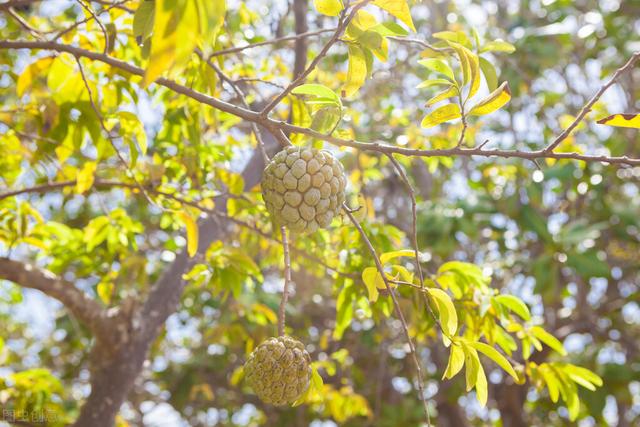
278 370
303 188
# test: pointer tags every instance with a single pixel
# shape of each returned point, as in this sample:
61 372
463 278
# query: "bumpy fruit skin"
278 370
303 188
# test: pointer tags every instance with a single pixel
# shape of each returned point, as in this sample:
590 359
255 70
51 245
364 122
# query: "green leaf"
494 101
456 361
326 119
192 232
130 126
344 310
433 82
498 45
318 91
445 94
514 304
588 264
474 374
446 312
494 355
548 339
96 232
328 7
357 72
442 114
490 74
397 8
143 19
389 29
439 66
454 36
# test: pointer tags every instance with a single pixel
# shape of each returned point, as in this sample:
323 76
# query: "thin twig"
344 21
257 80
243 100
100 24
24 24
414 239
287 281
110 137
396 305
89 18
268 42
421 43
587 108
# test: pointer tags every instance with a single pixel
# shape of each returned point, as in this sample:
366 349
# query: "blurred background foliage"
562 236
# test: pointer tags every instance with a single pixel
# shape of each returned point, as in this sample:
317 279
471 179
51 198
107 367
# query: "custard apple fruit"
278 370
303 188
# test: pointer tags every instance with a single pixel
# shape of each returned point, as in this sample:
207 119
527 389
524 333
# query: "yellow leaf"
357 72
328 7
493 102
397 8
30 73
470 64
178 27
396 254
456 361
192 232
552 381
211 18
494 355
446 312
441 115
64 80
237 375
84 179
622 120
266 311
548 339
472 363
372 279
105 289
481 386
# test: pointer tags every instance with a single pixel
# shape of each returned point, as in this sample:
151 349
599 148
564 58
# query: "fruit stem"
287 281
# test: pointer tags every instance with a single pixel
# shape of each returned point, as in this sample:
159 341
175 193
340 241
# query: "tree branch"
102 322
278 125
396 305
587 108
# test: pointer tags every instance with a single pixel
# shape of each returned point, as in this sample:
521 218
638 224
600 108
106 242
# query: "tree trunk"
112 377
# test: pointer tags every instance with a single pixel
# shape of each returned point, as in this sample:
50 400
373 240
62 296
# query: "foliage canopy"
483 271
